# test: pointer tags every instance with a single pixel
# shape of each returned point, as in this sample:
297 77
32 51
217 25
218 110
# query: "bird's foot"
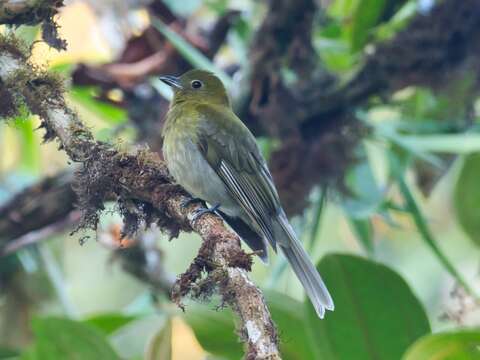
203 211
191 201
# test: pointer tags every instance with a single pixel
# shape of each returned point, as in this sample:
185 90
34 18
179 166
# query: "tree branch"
144 191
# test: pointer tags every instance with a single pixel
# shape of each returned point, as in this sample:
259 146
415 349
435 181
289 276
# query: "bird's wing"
232 152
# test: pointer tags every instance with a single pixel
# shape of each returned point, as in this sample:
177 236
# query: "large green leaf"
462 345
467 197
57 338
215 330
376 314
291 325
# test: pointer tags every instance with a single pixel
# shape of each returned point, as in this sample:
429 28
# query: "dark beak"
172 81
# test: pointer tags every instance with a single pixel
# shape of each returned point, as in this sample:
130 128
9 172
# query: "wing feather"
240 165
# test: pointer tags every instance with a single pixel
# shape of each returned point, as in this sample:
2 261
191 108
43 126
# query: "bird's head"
197 86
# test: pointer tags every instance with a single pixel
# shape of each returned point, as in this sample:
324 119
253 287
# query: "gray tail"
303 268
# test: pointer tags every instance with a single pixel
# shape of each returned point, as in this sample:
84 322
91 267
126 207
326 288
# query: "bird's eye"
196 84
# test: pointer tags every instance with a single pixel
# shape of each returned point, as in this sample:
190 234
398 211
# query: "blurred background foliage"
397 243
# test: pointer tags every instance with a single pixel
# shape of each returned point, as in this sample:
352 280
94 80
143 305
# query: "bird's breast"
190 169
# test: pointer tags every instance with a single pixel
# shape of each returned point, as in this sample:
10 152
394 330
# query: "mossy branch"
140 183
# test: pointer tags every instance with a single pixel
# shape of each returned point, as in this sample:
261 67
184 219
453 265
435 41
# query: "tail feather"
303 268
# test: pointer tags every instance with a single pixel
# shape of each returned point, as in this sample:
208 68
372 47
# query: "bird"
214 156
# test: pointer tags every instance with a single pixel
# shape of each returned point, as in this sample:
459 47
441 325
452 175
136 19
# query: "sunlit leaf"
376 314
462 345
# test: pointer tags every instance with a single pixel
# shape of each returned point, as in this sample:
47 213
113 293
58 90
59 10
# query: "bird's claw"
191 201
202 211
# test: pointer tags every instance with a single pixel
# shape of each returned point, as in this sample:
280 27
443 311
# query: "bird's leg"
202 211
191 201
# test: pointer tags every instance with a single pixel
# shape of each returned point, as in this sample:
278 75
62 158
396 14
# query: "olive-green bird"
212 154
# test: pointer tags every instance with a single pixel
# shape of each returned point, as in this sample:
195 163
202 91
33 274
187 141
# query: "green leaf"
424 230
467 197
398 21
363 230
160 346
442 143
6 353
366 15
376 314
462 345
295 343
85 96
214 330
109 323
189 52
366 196
57 338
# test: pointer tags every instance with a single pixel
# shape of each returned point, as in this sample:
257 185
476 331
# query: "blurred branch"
428 52
317 112
143 189
36 236
150 54
44 204
140 256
